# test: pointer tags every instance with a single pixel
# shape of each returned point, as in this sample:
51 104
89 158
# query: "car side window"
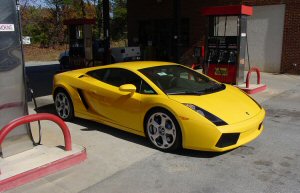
119 76
98 74
115 77
146 89
112 76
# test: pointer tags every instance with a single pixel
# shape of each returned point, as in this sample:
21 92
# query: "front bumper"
222 138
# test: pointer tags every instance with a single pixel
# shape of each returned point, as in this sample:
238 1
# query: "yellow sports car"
172 105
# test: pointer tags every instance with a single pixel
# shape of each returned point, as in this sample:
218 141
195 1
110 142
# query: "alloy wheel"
62 105
161 130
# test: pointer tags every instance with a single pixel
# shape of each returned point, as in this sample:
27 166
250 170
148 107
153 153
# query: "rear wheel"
163 131
63 105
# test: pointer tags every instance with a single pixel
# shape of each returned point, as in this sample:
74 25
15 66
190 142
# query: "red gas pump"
226 44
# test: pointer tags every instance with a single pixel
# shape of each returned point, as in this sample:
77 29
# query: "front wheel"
63 105
163 131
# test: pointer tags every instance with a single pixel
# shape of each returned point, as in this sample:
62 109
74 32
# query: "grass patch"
35 53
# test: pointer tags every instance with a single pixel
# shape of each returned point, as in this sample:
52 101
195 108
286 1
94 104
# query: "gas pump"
198 55
226 42
13 103
80 52
84 52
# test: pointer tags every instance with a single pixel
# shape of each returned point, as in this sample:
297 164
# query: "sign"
7 27
221 71
26 40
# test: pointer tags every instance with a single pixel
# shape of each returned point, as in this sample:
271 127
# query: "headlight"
214 119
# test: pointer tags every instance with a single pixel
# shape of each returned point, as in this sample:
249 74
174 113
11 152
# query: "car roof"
133 66
137 65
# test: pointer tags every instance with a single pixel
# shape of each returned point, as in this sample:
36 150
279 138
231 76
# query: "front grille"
228 139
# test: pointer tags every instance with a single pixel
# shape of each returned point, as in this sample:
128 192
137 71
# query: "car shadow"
95 126
198 153
49 108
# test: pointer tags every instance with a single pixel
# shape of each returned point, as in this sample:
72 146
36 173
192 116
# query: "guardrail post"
36 117
256 69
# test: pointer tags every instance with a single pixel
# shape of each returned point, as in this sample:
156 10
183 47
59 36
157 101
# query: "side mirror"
127 88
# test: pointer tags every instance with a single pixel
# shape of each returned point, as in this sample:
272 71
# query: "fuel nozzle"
221 54
231 57
210 55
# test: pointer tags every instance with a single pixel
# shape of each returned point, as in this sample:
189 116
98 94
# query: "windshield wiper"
186 93
214 88
211 89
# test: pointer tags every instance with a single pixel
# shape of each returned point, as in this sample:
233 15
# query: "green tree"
43 20
34 25
99 19
119 19
55 21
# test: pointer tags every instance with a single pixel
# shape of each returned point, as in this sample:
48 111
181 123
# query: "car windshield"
179 80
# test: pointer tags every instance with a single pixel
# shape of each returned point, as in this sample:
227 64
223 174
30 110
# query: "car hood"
231 105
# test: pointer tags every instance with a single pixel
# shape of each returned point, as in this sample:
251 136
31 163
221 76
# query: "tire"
163 130
63 105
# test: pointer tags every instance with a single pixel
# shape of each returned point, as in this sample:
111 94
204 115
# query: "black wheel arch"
60 88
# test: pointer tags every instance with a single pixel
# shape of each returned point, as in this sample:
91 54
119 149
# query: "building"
170 29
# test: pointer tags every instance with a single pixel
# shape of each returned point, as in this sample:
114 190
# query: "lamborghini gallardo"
170 104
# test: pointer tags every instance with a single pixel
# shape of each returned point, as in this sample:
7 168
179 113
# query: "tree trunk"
82 8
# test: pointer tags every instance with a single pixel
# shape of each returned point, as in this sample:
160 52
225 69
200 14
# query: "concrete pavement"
123 162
